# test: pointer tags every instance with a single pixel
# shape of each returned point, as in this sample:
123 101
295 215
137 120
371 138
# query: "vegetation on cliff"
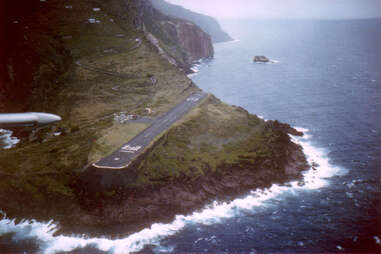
213 137
184 41
47 162
87 64
216 153
207 23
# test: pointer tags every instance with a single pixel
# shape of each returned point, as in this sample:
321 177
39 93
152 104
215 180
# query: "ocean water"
325 79
6 139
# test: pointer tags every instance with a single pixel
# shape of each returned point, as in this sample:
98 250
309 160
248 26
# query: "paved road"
125 154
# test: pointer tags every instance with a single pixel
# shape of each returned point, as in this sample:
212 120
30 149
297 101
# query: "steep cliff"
36 36
206 23
92 60
85 61
182 40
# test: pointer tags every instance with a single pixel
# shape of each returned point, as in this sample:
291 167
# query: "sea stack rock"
261 59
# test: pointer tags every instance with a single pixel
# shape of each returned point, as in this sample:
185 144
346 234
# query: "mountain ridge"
209 24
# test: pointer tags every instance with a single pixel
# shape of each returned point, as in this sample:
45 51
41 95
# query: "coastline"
198 188
104 211
138 206
195 67
49 232
7 141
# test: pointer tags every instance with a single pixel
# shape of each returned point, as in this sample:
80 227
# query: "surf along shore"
216 152
177 175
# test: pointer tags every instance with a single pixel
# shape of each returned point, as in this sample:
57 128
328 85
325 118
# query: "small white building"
148 110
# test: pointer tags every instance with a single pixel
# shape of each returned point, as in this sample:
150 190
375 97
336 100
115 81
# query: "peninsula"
91 61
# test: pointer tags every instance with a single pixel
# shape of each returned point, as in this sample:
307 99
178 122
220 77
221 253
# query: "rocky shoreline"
133 209
215 153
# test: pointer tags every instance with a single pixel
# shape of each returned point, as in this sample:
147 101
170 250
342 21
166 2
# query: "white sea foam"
6 139
301 129
305 131
227 42
271 61
196 68
191 75
163 249
261 117
200 63
211 214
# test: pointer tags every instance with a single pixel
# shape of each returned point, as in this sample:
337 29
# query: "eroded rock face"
141 206
206 23
195 42
182 40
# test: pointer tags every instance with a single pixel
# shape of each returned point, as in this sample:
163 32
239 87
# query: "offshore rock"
261 59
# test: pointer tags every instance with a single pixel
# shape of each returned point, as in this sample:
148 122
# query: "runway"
122 157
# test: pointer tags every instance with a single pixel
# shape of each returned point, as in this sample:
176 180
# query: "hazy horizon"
285 9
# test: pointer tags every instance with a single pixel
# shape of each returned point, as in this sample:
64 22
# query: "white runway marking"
193 99
130 149
159 125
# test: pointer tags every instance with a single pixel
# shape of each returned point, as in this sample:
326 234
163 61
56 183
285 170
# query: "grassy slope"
43 167
40 172
212 137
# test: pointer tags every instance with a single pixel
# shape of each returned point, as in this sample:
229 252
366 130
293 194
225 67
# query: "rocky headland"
181 39
206 23
88 61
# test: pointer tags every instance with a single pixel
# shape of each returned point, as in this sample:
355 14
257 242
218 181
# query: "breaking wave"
227 42
49 243
196 68
271 61
6 139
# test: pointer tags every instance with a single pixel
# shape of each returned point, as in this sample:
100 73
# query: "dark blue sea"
325 79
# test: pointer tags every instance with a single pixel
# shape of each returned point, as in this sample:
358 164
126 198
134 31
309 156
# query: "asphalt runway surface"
122 157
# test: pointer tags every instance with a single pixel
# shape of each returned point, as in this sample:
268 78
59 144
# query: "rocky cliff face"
217 150
33 51
192 40
181 39
206 23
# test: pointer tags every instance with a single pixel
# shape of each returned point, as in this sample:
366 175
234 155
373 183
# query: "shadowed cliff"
181 39
91 61
39 41
206 23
